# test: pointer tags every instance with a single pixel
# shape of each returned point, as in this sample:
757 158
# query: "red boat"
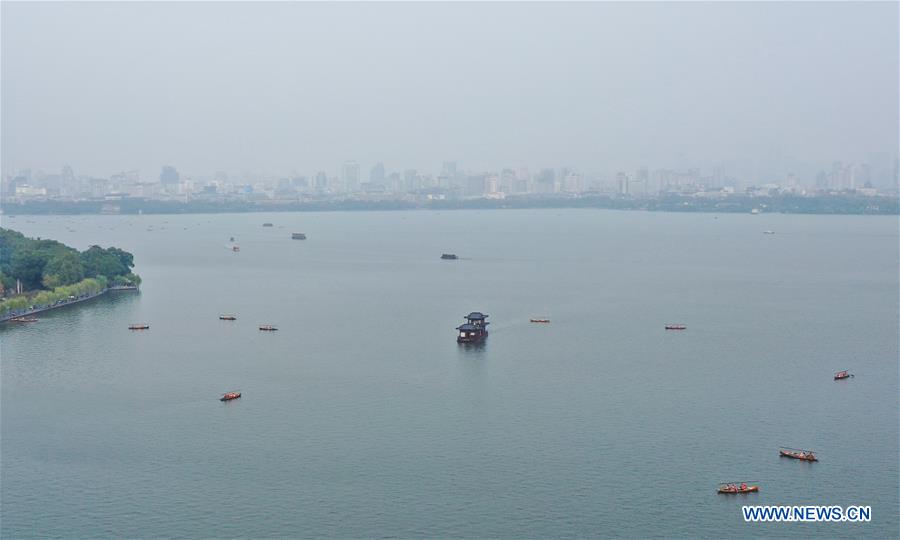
676 327
805 455
733 488
842 375
229 396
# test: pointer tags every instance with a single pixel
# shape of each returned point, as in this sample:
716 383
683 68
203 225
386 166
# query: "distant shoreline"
780 204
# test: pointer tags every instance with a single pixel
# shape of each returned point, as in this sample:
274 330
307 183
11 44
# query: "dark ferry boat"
475 328
449 256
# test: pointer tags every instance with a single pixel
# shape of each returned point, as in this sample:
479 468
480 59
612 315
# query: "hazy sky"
304 86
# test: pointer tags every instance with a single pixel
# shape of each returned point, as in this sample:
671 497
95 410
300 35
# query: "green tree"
63 269
28 266
100 262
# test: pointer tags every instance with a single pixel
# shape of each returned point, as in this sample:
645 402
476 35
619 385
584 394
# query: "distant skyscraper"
448 169
321 180
169 175
350 175
376 175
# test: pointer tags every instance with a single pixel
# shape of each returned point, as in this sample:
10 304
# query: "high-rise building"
376 175
169 175
350 176
448 169
321 181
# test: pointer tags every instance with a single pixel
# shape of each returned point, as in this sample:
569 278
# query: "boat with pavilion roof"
475 328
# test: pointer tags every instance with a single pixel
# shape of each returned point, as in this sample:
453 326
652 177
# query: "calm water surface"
362 417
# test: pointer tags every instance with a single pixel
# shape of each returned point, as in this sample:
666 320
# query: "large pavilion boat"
475 328
797 453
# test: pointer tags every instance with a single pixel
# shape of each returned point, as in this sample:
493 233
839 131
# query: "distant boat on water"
298 236
267 225
540 320
676 327
227 318
235 248
449 256
25 319
768 232
842 375
268 328
796 453
228 396
139 327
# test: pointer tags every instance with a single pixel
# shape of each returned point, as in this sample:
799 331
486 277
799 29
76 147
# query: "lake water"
362 417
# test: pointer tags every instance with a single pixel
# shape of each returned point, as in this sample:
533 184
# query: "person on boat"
743 487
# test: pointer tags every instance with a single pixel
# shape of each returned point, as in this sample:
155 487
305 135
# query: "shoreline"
843 204
9 317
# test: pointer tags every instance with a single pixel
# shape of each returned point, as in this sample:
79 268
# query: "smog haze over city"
758 91
476 270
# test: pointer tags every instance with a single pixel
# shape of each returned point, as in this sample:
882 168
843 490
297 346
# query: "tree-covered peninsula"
41 273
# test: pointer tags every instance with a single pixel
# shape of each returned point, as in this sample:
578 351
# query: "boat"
796 453
768 232
842 375
139 327
449 256
540 320
267 225
475 328
754 211
235 248
729 488
267 328
676 327
227 318
231 239
228 396
298 236
25 319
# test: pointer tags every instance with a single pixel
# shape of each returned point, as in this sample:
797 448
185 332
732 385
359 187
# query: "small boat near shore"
797 453
228 396
139 327
25 319
844 374
540 320
267 328
676 327
729 488
227 318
